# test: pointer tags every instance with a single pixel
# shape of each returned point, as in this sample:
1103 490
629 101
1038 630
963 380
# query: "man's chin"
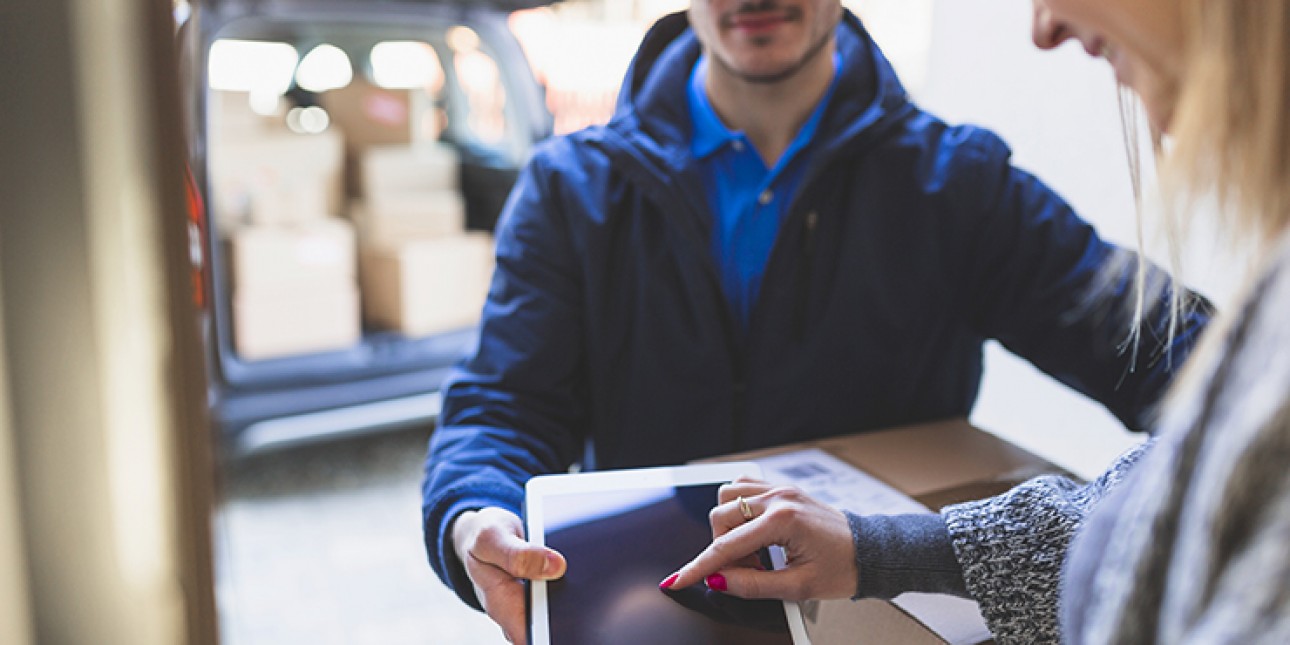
772 65
768 79
764 72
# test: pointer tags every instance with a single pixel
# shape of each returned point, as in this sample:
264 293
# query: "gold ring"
745 509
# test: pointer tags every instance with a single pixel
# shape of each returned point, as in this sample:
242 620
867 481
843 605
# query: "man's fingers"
503 601
534 562
520 559
497 586
491 546
500 595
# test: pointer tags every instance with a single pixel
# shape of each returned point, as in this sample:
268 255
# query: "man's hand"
491 545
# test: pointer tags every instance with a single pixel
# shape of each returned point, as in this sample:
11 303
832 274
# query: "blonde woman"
1184 540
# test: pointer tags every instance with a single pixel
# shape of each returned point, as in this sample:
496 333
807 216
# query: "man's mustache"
764 6
754 7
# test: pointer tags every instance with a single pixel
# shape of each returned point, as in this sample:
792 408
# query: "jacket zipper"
804 275
734 344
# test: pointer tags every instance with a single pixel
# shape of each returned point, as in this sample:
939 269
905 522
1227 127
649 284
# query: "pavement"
321 545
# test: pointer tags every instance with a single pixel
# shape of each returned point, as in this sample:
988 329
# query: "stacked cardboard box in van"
370 115
421 272
294 288
423 286
263 173
410 191
291 261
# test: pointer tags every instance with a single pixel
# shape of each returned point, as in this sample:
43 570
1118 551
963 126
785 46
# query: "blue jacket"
606 337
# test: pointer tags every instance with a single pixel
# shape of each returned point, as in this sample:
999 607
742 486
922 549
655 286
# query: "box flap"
924 459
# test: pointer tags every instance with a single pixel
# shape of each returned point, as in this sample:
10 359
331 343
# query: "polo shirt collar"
710 134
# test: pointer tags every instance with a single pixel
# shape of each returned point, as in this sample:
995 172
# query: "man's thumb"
535 562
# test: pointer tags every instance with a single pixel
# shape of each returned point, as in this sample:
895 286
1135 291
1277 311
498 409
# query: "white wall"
1059 113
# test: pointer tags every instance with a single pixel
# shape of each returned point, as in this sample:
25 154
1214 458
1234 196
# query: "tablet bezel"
538 489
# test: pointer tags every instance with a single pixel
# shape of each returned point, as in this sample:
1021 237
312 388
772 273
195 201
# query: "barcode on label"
825 497
803 471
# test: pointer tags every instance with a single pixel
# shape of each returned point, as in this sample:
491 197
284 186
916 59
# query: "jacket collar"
652 108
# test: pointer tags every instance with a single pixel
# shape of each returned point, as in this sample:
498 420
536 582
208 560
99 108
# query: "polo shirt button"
765 197
738 146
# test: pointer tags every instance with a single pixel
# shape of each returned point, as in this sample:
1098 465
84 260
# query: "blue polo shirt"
748 200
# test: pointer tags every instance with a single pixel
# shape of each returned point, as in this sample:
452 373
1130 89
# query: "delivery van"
348 160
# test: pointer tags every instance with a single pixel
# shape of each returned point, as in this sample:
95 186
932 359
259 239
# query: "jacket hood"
652 110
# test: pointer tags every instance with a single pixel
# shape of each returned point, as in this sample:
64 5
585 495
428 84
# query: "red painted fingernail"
667 582
716 582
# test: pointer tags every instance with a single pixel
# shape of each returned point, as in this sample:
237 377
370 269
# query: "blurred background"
346 161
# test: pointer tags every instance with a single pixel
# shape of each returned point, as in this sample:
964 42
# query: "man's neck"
770 114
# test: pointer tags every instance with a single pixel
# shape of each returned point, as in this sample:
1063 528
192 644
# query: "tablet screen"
619 545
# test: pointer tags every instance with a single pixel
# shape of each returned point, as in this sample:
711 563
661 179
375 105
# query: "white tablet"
622 532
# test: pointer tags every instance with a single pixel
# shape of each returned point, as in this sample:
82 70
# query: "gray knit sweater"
1196 548
1012 548
1189 536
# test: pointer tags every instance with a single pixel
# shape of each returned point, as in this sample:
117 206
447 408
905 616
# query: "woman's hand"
815 537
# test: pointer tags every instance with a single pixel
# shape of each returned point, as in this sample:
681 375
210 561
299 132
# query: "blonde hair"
1231 140
1231 127
1230 151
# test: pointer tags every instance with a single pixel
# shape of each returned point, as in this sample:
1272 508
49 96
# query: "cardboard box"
286 200
427 166
230 116
402 216
426 286
369 115
937 464
276 177
306 319
278 258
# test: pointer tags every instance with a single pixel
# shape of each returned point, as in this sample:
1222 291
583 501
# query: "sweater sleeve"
901 553
1012 548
